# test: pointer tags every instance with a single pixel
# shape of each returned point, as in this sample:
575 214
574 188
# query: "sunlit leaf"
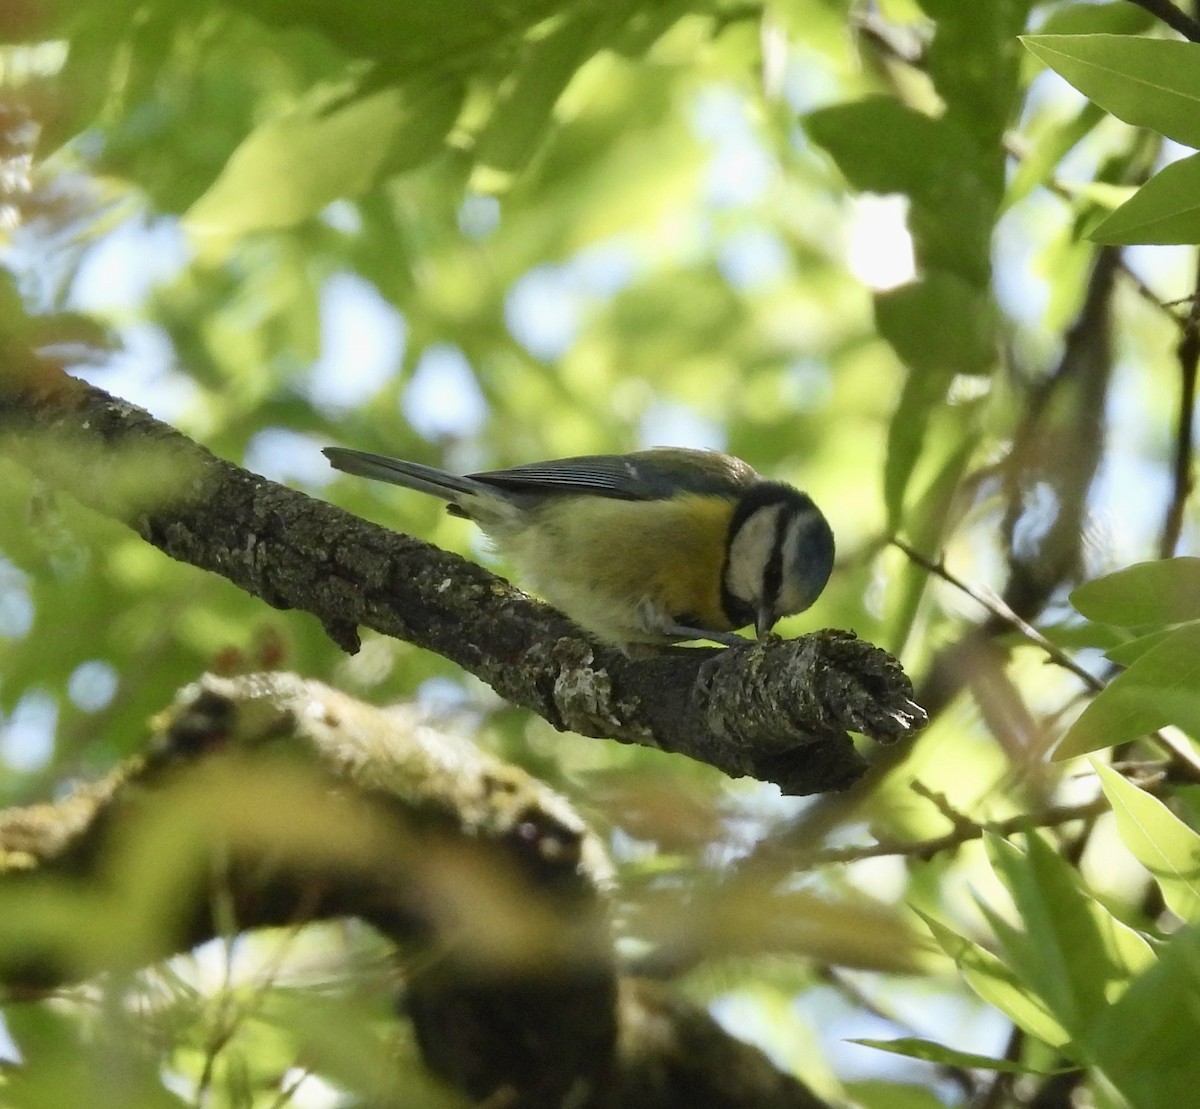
349 1040
520 118
1161 687
290 168
1164 591
1037 165
1070 949
63 1064
1148 82
1158 839
999 985
931 1052
914 320
1145 1042
1163 210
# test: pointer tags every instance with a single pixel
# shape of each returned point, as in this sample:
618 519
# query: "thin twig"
1178 302
994 1095
997 608
1151 297
1172 17
1188 353
1017 148
288 1090
1178 746
964 832
942 803
889 40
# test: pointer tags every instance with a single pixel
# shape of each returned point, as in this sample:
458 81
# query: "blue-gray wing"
640 476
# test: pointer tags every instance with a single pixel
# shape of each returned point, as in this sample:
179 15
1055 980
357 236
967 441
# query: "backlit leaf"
1070 949
1158 839
1148 82
1161 687
931 1052
1164 591
998 985
1164 210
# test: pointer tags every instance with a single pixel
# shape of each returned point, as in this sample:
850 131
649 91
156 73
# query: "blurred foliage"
477 234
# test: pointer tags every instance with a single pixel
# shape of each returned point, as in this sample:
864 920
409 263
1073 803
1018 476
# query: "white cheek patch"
749 553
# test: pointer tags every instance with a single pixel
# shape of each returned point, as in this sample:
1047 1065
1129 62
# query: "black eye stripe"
740 612
773 571
792 505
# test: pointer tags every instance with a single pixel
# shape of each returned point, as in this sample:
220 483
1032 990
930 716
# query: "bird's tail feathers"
412 475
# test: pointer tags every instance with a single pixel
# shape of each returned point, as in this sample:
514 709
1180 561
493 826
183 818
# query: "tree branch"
1001 613
963 832
779 711
1172 16
310 805
1188 353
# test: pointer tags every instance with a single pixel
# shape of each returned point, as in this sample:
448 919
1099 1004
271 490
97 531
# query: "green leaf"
973 63
1165 209
998 985
1147 82
931 1052
1127 653
879 1093
1164 591
288 169
1161 687
925 524
520 120
1083 635
1072 951
1117 17
1039 162
1145 1044
885 147
913 319
412 37
65 1063
1158 839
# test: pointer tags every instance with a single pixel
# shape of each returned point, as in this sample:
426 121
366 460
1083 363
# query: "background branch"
312 805
1188 353
963 832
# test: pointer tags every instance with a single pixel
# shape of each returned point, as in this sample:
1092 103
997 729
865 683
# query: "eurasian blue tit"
655 546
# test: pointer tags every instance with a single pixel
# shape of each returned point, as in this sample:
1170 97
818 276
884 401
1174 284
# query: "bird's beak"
764 622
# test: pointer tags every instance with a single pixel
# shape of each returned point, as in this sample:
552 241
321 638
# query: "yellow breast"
599 559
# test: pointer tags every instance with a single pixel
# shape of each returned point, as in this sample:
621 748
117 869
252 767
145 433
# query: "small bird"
651 547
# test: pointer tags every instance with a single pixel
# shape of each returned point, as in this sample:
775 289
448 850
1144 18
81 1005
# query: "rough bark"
779 711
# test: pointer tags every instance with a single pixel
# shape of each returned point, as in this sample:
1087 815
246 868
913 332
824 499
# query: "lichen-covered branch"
778 711
306 804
